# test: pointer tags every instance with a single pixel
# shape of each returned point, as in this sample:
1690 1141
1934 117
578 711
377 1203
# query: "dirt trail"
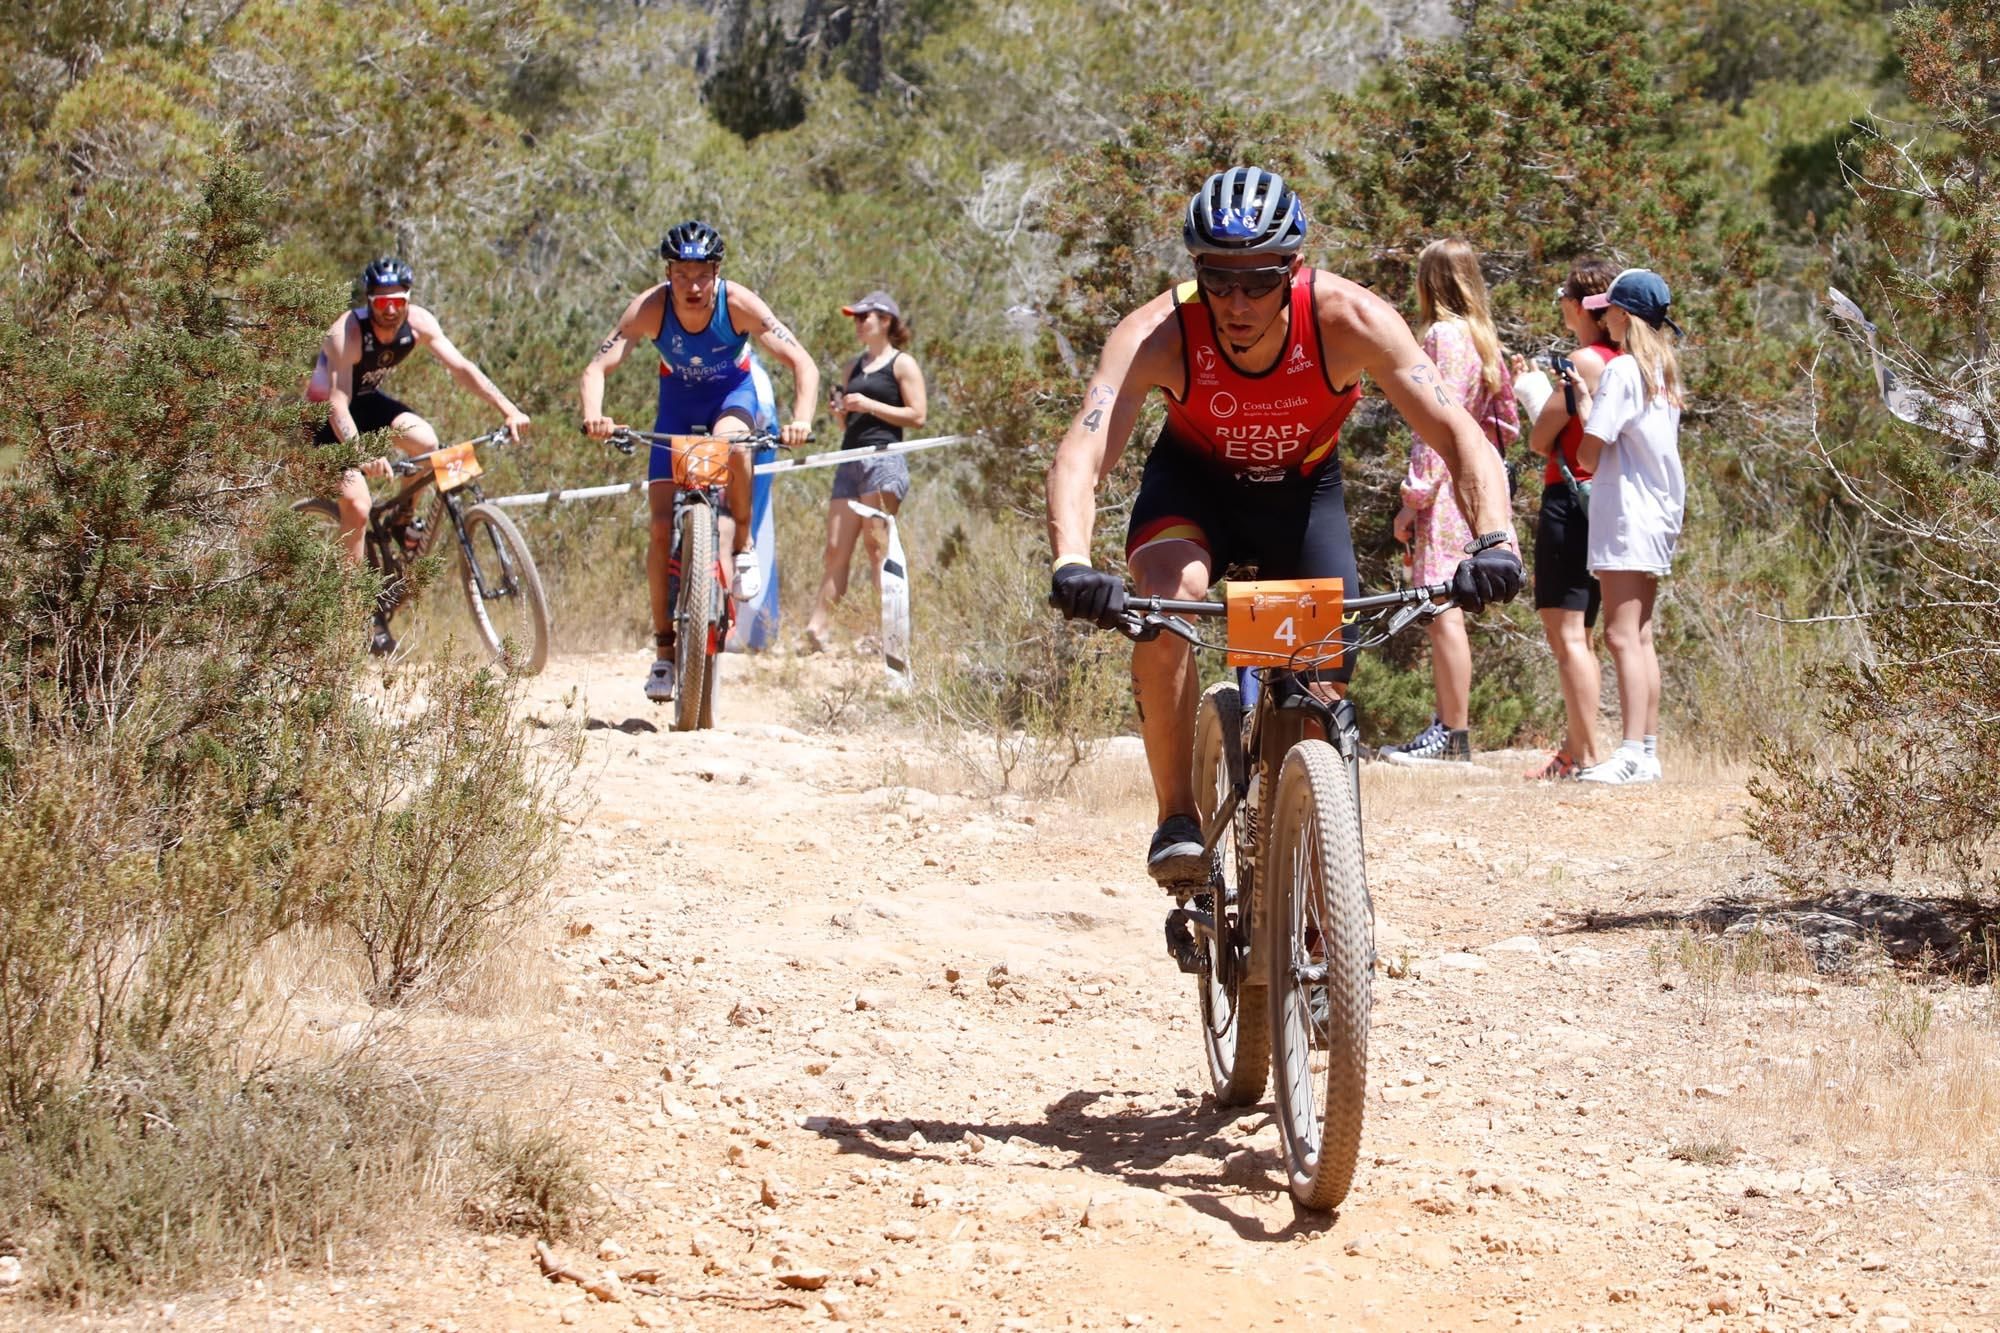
931 1047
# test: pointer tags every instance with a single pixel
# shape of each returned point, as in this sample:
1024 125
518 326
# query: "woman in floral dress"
1458 335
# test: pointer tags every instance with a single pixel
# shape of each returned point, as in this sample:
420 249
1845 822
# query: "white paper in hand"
895 600
1531 391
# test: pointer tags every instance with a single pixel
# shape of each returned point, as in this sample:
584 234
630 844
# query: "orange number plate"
1284 621
700 461
455 466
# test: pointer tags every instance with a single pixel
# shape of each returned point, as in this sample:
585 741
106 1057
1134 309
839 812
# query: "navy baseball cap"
1638 291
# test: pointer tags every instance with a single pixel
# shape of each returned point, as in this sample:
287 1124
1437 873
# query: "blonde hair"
1653 350
1450 286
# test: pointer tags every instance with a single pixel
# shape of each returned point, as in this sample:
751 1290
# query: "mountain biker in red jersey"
1260 360
702 327
355 358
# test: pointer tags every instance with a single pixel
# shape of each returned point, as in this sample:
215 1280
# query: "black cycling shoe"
1175 859
381 643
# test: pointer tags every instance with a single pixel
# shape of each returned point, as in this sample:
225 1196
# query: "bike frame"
386 553
1266 691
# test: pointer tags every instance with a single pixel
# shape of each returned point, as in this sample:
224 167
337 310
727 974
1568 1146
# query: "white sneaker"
749 580
660 681
1623 766
1652 772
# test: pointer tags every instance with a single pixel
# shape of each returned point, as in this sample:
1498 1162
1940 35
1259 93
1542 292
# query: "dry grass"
1897 1068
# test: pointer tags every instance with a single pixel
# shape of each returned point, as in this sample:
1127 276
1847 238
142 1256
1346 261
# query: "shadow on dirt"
1145 1149
631 726
1955 936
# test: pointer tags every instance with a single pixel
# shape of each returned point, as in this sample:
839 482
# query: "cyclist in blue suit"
702 327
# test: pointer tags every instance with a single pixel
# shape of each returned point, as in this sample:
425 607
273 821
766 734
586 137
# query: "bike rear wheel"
693 620
1319 951
323 512
1236 1033
503 589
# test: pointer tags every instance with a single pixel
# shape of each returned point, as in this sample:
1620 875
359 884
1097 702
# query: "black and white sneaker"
1429 736
1436 744
1175 859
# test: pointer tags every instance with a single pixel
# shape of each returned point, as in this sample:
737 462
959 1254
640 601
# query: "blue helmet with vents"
1244 211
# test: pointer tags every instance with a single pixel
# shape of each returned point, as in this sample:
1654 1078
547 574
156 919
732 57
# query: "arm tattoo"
610 343
1420 374
1101 396
1093 420
1442 400
779 333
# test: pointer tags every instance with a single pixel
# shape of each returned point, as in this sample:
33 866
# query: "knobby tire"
694 648
504 561
1316 908
1236 1033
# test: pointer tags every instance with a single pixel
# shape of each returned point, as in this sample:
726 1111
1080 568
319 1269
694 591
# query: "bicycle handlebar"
1146 618
404 465
625 440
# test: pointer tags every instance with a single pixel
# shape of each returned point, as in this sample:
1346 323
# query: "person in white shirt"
1637 500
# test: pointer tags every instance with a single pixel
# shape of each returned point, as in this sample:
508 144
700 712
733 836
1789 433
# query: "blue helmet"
1244 211
692 240
388 271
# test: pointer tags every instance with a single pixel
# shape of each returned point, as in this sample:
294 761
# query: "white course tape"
581 493
835 457
828 458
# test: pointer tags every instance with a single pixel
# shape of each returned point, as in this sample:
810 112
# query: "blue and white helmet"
694 240
1244 211
388 271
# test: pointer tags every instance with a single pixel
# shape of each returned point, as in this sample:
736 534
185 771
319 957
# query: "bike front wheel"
1319 952
1236 1034
503 589
694 620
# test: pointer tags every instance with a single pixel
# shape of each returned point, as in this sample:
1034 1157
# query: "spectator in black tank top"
881 395
1566 594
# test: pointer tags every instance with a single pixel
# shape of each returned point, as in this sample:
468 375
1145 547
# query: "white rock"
610 1251
10 1271
804 1279
1464 962
1516 944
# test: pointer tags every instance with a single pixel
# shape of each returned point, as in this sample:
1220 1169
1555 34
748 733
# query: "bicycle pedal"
1181 946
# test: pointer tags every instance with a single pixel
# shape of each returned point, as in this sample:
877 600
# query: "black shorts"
1294 527
371 411
1563 580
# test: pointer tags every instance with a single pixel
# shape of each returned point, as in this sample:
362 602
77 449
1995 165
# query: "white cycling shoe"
660 681
749 577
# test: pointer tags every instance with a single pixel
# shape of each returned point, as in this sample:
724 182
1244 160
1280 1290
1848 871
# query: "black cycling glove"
1083 593
1490 574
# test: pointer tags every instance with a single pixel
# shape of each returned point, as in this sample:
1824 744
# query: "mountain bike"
1281 940
502 587
697 579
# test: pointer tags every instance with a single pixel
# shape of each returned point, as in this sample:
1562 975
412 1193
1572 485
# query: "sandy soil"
848 1049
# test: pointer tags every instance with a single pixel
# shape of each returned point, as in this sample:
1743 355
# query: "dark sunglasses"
1252 282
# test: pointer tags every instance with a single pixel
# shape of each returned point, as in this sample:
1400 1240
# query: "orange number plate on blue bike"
1285 622
455 466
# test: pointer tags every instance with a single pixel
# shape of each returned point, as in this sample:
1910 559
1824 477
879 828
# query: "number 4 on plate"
1288 622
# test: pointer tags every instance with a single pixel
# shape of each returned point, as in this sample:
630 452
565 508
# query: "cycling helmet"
692 240
388 271
1244 211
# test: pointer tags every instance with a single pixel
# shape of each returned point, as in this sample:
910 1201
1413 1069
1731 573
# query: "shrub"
462 827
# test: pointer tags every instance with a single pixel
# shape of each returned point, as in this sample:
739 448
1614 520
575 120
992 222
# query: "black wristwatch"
1486 541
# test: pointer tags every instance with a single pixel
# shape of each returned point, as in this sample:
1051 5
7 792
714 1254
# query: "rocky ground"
851 1046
